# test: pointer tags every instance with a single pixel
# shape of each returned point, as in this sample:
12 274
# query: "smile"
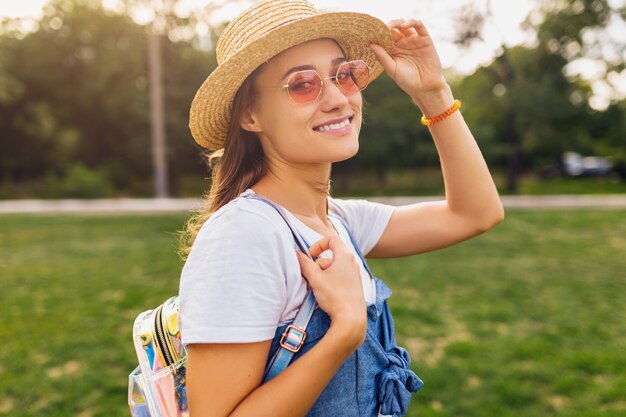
335 127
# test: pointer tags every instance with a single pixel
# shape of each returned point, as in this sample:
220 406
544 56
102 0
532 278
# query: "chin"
346 152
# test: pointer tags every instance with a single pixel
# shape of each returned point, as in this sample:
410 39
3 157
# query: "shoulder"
365 220
246 217
359 210
234 283
243 230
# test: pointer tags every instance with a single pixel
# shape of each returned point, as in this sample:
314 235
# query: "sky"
439 15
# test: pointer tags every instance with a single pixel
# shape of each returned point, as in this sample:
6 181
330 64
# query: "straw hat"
263 31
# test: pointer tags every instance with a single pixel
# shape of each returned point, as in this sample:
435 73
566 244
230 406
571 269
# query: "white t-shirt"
242 279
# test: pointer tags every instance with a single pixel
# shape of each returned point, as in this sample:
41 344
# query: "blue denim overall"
376 378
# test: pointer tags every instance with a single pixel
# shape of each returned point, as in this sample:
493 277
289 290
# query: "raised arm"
472 205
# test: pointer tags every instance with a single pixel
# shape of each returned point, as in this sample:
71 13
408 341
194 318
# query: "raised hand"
413 62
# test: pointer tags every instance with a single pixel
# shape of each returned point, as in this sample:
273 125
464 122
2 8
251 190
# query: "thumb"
388 63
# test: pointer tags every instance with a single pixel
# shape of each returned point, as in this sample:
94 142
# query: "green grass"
527 320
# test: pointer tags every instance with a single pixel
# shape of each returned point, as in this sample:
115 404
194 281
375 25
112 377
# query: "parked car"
576 165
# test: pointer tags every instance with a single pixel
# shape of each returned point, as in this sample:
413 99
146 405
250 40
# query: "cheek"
287 124
356 101
283 125
281 117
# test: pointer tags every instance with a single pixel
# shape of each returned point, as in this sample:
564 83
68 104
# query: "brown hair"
236 167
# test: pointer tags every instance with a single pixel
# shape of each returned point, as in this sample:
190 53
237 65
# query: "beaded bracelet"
431 121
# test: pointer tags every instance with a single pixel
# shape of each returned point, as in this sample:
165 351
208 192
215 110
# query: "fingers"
332 243
400 28
395 22
307 266
418 25
384 58
324 263
329 242
320 246
310 269
396 35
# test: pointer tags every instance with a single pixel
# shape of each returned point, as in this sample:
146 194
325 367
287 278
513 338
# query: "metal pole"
157 116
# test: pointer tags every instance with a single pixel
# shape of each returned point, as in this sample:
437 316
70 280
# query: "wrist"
350 334
434 102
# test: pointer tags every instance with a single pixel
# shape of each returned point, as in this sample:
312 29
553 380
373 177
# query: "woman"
282 106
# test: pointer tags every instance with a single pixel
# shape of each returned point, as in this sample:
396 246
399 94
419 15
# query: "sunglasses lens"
304 86
353 76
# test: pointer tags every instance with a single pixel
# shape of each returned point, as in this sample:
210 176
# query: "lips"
337 124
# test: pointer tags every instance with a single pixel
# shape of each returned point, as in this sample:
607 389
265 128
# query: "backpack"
157 386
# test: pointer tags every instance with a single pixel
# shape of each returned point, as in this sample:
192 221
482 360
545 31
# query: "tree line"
74 104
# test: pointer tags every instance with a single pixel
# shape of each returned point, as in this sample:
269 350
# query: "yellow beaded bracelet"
431 121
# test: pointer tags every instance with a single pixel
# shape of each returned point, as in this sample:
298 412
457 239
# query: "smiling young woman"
282 106
317 132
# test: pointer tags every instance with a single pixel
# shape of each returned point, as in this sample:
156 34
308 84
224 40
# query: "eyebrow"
334 62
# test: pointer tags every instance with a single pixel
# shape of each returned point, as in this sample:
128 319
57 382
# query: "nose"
332 96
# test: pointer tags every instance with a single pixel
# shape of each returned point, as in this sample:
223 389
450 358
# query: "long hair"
235 168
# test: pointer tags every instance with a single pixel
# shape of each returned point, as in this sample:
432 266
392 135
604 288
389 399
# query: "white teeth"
334 126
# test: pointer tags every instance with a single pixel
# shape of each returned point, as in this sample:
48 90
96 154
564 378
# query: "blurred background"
95 95
527 320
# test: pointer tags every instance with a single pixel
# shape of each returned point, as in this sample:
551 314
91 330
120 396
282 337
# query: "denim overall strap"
356 247
294 335
396 381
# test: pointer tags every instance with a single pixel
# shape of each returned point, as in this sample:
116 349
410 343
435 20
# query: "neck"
301 190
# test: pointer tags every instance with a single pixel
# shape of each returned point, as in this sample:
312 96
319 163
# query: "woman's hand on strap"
413 62
224 379
337 286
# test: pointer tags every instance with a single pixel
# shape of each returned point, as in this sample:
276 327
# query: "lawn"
527 320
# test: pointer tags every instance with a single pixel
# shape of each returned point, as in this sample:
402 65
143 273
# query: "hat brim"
211 107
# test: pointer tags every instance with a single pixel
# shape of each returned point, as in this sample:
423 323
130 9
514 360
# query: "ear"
249 121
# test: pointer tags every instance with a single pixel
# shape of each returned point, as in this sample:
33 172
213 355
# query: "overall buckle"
293 338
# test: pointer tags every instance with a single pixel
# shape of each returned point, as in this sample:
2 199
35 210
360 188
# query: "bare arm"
224 379
472 204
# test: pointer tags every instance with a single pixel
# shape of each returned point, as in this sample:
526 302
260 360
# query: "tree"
75 90
164 22
610 125
538 119
533 108
26 126
69 80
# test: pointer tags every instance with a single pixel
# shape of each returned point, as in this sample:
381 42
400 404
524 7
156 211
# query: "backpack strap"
293 337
